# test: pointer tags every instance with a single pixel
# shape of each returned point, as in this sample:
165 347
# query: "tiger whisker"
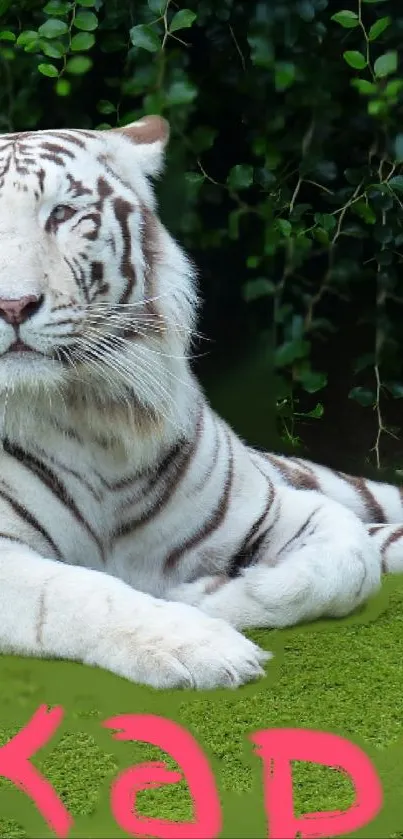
117 366
150 321
121 395
104 360
144 302
124 344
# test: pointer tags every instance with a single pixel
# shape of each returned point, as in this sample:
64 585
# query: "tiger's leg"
316 559
54 610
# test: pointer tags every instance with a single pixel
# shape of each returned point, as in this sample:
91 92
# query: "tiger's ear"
150 135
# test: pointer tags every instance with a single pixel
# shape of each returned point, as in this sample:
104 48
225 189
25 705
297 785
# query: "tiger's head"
94 292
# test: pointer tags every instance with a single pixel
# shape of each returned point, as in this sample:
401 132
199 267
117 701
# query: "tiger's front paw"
182 648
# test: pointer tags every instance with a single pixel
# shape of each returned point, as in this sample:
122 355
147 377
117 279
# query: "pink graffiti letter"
278 747
15 765
173 739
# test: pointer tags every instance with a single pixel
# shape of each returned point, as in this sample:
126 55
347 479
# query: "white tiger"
138 533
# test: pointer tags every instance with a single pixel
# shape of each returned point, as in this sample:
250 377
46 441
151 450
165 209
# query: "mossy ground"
343 676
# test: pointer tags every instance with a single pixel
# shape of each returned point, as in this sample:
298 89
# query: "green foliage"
286 120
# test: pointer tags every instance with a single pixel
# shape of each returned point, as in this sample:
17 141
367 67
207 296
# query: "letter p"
278 747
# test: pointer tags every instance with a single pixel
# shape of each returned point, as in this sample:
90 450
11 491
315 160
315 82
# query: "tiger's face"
92 287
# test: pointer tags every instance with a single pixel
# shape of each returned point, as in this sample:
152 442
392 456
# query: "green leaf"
386 64
28 38
383 233
261 50
154 102
297 326
78 65
306 10
290 351
283 313
364 211
106 107
86 21
380 196
57 8
318 411
48 70
378 27
395 388
53 28
393 88
399 148
202 138
182 20
364 87
240 176
326 169
180 93
364 361
5 35
255 289
53 49
327 221
363 396
7 54
347 19
284 74
396 183
156 6
63 87
86 2
4 6
194 178
355 59
312 381
377 107
145 37
284 226
374 1
321 235
299 211
82 41
253 261
265 178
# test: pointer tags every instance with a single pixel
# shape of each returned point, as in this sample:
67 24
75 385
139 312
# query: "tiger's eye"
62 213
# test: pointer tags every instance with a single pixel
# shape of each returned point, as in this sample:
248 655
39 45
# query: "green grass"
343 676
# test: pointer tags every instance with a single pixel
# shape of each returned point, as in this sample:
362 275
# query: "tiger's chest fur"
153 517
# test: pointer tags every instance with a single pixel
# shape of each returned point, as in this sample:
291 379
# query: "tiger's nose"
19 310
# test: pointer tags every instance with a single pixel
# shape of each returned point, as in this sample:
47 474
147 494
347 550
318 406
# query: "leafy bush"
286 118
